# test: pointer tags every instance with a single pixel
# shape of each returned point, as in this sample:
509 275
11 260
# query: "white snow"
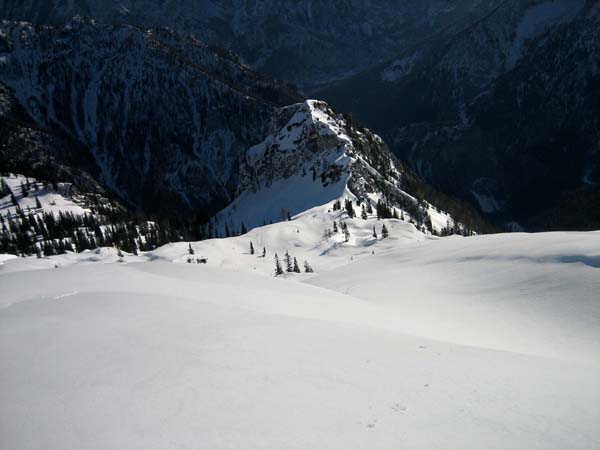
51 200
482 342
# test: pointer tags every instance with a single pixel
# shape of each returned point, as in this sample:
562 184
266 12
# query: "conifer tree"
307 267
363 212
24 190
384 232
374 232
369 208
296 268
251 248
190 249
288 262
349 208
278 269
346 232
335 227
264 253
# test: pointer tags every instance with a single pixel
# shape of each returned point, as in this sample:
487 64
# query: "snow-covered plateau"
412 341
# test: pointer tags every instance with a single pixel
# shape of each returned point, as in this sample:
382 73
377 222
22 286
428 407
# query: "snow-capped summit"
311 157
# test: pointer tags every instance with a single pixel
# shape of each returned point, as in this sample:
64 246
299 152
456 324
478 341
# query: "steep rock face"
501 112
307 42
162 118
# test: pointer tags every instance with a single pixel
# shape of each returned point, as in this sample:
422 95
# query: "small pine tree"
264 253
24 189
384 232
296 268
349 208
38 204
307 267
335 227
288 262
369 208
363 212
251 248
190 249
278 269
374 232
346 232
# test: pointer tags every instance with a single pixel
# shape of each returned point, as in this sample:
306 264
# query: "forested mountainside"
502 113
157 117
305 42
164 125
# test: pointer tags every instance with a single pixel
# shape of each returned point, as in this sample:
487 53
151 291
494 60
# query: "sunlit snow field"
409 342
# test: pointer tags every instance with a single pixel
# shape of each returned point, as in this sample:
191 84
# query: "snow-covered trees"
251 248
374 232
296 267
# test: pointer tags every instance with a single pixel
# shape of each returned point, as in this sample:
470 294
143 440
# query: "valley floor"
488 342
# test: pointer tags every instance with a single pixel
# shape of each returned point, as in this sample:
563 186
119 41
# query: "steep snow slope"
159 355
313 156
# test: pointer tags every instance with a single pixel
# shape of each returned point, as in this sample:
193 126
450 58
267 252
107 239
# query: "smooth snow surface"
488 342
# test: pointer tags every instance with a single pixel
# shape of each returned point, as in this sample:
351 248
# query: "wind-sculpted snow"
447 343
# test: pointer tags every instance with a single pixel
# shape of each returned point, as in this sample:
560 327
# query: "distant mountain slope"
159 118
306 42
502 112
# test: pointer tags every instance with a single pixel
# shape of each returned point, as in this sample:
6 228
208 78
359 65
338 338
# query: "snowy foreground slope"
488 342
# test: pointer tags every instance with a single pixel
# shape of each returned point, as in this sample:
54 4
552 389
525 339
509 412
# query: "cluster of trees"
384 232
252 251
291 265
46 233
336 229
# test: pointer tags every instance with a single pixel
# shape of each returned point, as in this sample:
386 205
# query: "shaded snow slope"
160 355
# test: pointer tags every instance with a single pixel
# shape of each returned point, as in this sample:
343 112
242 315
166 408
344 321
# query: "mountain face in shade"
159 118
306 42
502 112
